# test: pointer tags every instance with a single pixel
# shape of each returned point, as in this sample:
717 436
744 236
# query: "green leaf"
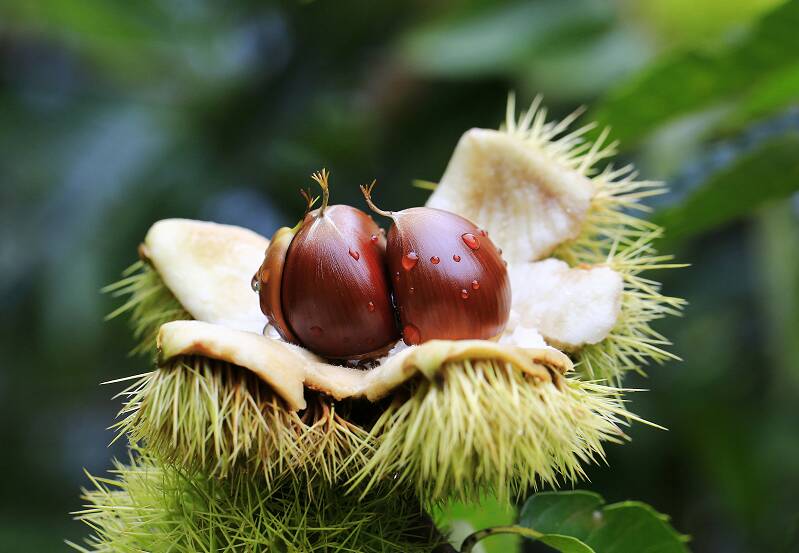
561 513
565 544
628 527
757 71
768 173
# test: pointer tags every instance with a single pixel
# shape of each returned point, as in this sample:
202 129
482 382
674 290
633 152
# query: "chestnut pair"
336 285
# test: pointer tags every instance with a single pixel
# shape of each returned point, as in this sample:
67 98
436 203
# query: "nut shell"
269 279
335 296
449 279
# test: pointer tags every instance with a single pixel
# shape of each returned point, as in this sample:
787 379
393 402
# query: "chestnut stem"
367 194
309 200
321 178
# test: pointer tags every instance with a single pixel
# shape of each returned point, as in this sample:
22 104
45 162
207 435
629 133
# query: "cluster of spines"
483 427
612 234
212 416
158 508
148 304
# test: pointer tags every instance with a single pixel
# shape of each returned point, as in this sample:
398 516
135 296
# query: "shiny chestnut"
448 278
323 283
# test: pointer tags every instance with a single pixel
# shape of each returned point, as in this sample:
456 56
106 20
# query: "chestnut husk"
449 280
323 284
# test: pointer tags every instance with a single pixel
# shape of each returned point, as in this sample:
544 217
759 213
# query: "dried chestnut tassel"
449 279
323 283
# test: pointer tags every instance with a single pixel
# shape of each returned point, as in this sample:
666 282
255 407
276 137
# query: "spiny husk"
160 509
149 304
633 342
484 427
209 415
612 234
330 447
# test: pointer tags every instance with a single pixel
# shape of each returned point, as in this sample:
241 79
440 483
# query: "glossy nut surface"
449 279
268 281
335 295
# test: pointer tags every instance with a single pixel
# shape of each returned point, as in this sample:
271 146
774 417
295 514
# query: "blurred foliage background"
114 114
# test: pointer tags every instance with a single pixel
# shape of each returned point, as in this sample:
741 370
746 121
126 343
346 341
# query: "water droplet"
409 261
499 251
371 306
471 240
316 330
435 260
483 232
505 262
354 254
465 294
411 290
255 283
475 285
374 239
397 276
456 258
411 335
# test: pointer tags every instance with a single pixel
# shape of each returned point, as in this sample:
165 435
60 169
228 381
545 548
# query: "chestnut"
323 283
448 278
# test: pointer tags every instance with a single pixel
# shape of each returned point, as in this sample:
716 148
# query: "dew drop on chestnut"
409 260
316 330
397 276
255 283
483 232
354 254
444 305
471 240
371 306
411 290
475 284
374 239
411 335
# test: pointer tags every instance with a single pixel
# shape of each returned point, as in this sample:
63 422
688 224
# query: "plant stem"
367 194
471 541
321 177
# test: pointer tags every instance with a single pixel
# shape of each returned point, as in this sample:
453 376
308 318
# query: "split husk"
592 217
212 416
483 426
464 419
447 419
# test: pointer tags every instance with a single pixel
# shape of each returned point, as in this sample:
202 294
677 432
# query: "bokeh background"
114 114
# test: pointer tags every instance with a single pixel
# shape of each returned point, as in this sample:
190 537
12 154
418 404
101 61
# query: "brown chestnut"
323 283
449 279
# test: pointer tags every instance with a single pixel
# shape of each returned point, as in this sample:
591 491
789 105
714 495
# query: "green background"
114 114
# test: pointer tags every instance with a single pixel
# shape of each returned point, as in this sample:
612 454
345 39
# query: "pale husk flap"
280 367
287 368
570 306
208 267
528 202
